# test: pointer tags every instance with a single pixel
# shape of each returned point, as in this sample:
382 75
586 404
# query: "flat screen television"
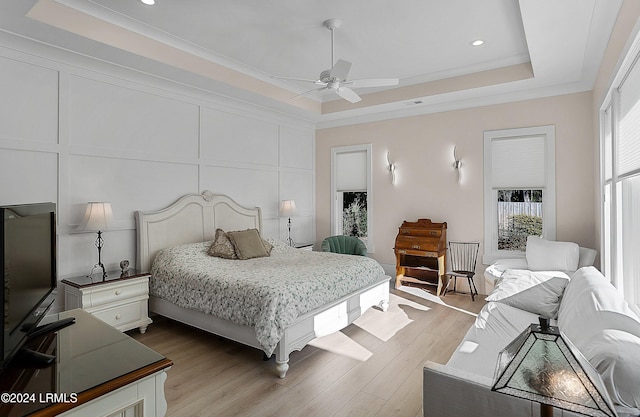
27 272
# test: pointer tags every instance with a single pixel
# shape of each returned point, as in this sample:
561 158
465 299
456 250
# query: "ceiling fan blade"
308 91
374 82
340 70
348 94
297 79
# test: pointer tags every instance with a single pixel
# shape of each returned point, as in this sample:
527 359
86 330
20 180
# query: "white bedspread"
268 294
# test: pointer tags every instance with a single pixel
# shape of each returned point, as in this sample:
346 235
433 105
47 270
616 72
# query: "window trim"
491 252
368 148
611 262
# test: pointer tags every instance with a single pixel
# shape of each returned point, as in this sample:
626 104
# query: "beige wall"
422 149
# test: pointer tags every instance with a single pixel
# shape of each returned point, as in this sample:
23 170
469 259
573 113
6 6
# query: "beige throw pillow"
222 246
248 244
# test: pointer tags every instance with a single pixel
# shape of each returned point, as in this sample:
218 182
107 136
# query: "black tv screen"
27 269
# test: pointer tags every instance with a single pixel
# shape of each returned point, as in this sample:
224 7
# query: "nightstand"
121 300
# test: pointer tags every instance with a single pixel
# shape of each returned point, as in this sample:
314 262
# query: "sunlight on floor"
430 297
383 325
341 344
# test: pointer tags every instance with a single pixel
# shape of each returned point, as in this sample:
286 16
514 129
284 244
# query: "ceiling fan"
335 79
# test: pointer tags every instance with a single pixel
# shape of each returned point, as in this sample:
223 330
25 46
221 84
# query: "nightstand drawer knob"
118 292
118 316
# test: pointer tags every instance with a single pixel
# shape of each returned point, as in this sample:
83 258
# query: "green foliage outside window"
354 214
514 237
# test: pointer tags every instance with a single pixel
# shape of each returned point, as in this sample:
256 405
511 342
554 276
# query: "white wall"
74 130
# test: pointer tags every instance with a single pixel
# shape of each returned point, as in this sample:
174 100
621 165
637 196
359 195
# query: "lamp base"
99 244
290 241
99 267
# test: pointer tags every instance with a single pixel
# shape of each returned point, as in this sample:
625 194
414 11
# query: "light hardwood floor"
371 368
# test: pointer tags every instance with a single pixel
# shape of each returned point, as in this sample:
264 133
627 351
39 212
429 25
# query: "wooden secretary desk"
421 250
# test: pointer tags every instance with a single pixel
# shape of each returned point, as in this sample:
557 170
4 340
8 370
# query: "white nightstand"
120 300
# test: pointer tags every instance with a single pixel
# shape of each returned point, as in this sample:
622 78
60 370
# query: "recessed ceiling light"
149 2
477 42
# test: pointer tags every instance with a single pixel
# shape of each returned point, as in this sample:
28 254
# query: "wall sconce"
457 164
391 167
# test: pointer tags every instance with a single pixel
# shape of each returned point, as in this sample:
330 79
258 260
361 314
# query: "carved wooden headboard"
193 218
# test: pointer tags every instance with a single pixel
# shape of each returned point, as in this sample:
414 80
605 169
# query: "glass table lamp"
542 365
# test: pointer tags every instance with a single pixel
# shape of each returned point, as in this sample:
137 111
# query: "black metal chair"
462 264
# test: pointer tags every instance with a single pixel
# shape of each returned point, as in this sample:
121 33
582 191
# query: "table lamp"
542 365
288 209
97 217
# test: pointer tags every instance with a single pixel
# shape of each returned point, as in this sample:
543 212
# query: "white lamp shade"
97 217
288 208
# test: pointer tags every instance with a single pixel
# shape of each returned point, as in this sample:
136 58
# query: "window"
351 209
620 179
519 188
519 216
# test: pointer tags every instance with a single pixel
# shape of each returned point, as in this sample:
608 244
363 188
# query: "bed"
185 229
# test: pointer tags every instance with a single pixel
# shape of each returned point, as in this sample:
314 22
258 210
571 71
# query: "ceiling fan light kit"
335 79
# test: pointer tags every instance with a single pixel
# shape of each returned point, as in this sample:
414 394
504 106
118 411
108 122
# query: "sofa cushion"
616 356
495 327
547 255
596 318
589 304
535 292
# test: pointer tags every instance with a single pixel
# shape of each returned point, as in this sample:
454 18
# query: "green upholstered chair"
348 245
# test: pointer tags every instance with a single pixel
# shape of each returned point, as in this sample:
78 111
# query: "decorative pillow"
537 293
616 356
267 246
547 255
222 246
248 244
495 270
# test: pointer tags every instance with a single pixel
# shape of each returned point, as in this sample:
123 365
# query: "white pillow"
590 303
547 255
537 293
495 270
616 356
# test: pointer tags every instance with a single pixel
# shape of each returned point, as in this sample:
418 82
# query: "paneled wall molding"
24 145
37 53
74 130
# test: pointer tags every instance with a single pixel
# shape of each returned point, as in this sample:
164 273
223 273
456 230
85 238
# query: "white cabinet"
142 398
121 301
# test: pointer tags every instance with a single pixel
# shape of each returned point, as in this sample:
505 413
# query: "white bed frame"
194 218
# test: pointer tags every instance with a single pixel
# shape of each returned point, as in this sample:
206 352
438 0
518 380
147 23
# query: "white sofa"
590 312
586 257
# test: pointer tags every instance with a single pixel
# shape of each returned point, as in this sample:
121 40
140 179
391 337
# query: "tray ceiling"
531 47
